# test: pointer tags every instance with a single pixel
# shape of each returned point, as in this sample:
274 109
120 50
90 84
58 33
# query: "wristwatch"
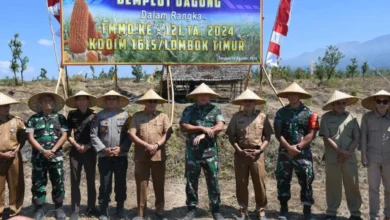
158 146
41 151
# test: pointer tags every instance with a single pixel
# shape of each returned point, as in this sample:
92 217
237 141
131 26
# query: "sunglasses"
380 101
152 101
340 103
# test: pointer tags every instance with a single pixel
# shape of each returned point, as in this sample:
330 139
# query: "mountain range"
376 52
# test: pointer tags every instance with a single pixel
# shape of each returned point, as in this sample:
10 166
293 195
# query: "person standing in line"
150 130
295 128
12 130
47 132
341 133
202 122
249 133
82 154
111 141
375 148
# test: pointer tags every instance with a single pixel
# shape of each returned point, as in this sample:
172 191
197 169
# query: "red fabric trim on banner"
284 11
281 28
52 2
274 48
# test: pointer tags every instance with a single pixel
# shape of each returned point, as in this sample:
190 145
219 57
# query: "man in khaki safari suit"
11 163
149 130
375 147
340 131
249 133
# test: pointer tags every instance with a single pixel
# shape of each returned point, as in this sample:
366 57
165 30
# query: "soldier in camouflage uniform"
47 131
202 121
295 127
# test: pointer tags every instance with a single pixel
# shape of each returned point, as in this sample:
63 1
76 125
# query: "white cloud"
45 42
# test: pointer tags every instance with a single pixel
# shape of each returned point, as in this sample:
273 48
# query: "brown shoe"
260 215
243 214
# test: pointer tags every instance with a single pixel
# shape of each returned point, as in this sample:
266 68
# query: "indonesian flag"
54 8
279 32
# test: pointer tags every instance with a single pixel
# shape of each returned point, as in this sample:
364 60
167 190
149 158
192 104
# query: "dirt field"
175 184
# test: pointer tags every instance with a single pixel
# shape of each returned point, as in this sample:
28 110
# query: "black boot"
307 213
283 215
39 214
190 214
103 212
120 211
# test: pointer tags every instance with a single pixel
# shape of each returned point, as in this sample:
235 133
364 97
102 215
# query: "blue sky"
314 24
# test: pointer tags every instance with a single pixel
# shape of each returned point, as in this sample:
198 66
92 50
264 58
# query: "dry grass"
175 185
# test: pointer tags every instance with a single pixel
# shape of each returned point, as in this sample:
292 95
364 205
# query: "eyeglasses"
380 101
340 103
152 101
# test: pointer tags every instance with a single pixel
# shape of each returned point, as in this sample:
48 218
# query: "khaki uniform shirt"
249 128
375 138
342 129
149 127
8 133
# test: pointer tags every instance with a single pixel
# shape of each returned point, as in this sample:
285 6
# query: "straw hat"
294 88
6 100
340 96
123 100
33 102
369 102
248 95
203 89
151 95
71 101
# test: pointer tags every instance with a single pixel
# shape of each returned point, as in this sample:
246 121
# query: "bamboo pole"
173 95
161 81
168 91
52 35
272 86
116 77
67 80
59 80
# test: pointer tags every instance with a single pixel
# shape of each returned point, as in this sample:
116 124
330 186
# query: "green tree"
320 70
256 73
365 68
330 60
300 73
42 75
137 72
18 63
352 68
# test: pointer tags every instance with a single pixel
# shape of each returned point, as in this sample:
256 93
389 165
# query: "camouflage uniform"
204 155
47 131
294 125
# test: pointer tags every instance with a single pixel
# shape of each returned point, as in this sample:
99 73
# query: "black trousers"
77 162
109 166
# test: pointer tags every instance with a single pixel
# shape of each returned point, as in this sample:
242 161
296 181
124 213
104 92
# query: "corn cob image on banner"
115 32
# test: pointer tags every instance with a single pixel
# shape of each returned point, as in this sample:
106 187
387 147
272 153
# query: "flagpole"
52 35
270 38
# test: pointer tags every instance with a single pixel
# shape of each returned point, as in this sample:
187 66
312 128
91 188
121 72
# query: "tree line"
326 68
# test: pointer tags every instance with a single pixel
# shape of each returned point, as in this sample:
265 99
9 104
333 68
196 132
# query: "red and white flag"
279 32
54 8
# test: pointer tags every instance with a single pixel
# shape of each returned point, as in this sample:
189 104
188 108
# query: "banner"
125 32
